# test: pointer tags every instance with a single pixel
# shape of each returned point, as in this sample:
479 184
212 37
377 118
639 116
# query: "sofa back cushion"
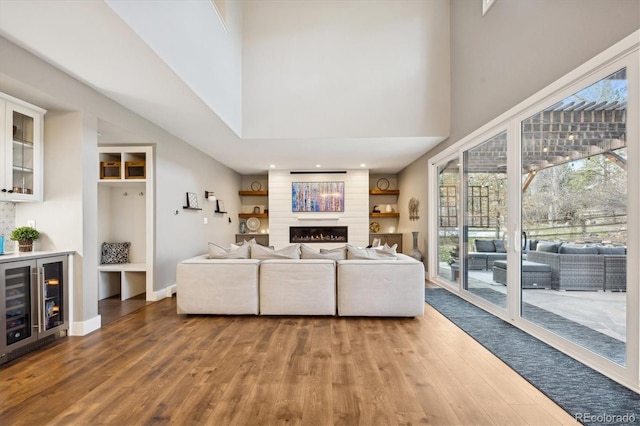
568 249
499 246
485 246
235 252
611 250
261 252
307 252
548 247
354 252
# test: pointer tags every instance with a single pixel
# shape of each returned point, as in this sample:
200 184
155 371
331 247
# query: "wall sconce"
209 195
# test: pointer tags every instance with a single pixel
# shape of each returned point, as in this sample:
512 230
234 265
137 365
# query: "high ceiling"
91 42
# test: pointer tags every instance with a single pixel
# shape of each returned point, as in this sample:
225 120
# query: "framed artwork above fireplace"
317 196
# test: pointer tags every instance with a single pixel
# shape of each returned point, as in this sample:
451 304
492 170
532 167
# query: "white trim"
82 328
162 293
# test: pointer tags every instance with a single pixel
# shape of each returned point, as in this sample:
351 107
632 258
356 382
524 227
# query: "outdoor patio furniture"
615 273
486 252
534 275
573 271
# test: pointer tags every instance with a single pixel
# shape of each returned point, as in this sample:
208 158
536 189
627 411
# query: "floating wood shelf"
384 214
253 192
256 215
387 192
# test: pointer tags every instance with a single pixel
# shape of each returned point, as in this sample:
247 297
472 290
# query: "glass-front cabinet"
33 300
21 150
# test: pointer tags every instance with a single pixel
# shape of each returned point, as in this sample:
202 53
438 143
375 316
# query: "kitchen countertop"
14 256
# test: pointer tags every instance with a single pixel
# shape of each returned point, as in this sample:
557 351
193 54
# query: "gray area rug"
584 393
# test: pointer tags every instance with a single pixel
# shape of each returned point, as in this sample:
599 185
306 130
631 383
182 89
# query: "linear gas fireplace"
318 234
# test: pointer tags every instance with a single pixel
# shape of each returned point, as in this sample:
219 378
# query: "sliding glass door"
574 212
485 219
448 257
536 217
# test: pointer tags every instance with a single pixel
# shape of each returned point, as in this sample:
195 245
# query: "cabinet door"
52 293
22 154
16 301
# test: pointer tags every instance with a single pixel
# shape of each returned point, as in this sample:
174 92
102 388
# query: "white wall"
59 217
355 215
345 69
179 168
520 47
217 78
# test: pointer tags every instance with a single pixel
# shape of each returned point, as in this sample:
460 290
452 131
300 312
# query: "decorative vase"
25 245
243 227
415 252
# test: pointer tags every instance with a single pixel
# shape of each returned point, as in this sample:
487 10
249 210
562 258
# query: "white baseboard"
161 294
82 328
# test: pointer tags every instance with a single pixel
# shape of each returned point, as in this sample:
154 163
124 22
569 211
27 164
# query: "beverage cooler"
34 300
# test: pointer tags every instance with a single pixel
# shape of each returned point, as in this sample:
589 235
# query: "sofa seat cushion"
298 287
527 266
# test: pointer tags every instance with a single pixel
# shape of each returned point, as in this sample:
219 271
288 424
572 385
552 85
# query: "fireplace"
318 234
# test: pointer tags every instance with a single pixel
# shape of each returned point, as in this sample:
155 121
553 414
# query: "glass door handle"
517 242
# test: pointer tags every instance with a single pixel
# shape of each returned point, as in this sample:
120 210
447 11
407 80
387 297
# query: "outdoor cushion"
611 250
485 246
527 266
566 249
499 246
548 247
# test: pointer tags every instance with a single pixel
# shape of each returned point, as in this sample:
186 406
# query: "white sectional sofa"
301 287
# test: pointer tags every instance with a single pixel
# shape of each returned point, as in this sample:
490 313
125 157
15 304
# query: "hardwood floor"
156 367
112 308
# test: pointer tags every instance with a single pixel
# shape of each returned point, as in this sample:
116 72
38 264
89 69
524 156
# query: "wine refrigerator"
34 302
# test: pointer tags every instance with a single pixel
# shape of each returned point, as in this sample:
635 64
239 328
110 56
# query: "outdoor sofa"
583 268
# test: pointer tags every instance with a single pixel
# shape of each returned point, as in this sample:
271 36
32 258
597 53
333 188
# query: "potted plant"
25 236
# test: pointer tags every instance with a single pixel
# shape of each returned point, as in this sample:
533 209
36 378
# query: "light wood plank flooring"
156 367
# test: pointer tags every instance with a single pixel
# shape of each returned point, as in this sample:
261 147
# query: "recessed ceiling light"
363 165
273 166
318 165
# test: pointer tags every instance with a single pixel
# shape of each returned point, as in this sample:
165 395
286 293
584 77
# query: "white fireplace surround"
355 215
